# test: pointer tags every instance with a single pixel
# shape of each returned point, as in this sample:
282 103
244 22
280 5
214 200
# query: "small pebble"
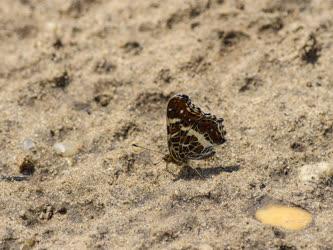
47 213
62 210
66 148
28 144
205 247
316 172
27 166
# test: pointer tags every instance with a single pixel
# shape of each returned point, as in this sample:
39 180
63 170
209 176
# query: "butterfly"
191 133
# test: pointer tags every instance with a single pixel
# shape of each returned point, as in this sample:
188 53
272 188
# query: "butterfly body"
192 134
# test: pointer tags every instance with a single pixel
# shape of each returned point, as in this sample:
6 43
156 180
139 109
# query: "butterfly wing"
180 119
209 132
191 132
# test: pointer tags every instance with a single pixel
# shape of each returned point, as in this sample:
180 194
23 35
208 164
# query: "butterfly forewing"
191 132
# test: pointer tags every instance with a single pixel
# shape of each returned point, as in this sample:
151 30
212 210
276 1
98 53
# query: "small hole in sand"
290 218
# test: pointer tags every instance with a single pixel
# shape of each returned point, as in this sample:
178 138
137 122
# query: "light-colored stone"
28 144
205 246
66 148
316 172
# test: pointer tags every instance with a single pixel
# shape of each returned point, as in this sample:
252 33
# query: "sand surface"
97 75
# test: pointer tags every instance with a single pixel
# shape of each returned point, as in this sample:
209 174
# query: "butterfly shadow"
189 173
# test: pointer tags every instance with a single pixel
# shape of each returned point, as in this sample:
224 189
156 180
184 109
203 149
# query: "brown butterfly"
192 134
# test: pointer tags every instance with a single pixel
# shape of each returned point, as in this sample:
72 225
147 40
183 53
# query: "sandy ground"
97 75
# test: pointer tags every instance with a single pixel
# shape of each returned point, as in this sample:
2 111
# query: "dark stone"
62 81
27 167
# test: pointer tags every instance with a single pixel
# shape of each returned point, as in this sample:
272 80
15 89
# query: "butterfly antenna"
153 150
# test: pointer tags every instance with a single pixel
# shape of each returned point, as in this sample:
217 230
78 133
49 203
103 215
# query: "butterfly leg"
196 170
187 167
